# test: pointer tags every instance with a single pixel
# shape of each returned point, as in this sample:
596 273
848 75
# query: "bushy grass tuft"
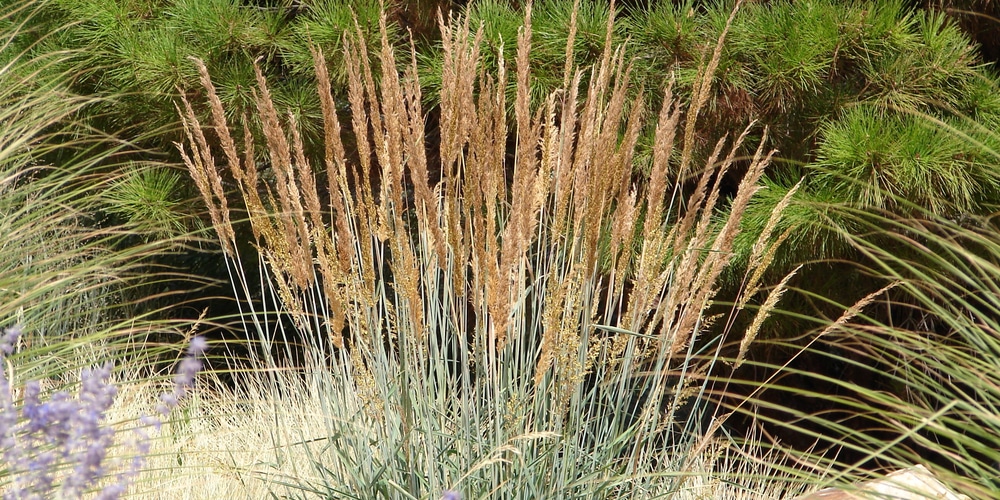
916 378
519 329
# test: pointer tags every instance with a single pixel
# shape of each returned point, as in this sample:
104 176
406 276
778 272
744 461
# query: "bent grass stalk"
940 359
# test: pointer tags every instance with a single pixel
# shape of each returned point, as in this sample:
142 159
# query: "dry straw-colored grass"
253 445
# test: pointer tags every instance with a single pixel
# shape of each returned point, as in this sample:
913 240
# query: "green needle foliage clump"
145 197
875 118
138 51
929 167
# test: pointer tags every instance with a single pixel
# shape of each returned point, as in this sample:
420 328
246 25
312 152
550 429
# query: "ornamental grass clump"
491 321
65 269
910 373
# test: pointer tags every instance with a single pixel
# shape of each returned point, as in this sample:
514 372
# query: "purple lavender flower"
451 495
168 401
188 368
61 446
112 492
198 346
9 339
184 379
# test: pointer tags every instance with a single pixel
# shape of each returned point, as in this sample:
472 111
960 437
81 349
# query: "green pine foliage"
146 198
876 120
909 160
323 24
139 51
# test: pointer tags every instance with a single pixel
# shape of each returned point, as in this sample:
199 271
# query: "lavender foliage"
59 447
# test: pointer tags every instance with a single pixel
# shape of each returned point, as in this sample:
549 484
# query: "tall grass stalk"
916 373
526 327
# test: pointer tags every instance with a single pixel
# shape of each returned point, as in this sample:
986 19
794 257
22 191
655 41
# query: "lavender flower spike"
198 346
58 448
9 339
184 379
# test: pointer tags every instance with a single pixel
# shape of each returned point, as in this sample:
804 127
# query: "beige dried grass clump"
569 265
572 177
